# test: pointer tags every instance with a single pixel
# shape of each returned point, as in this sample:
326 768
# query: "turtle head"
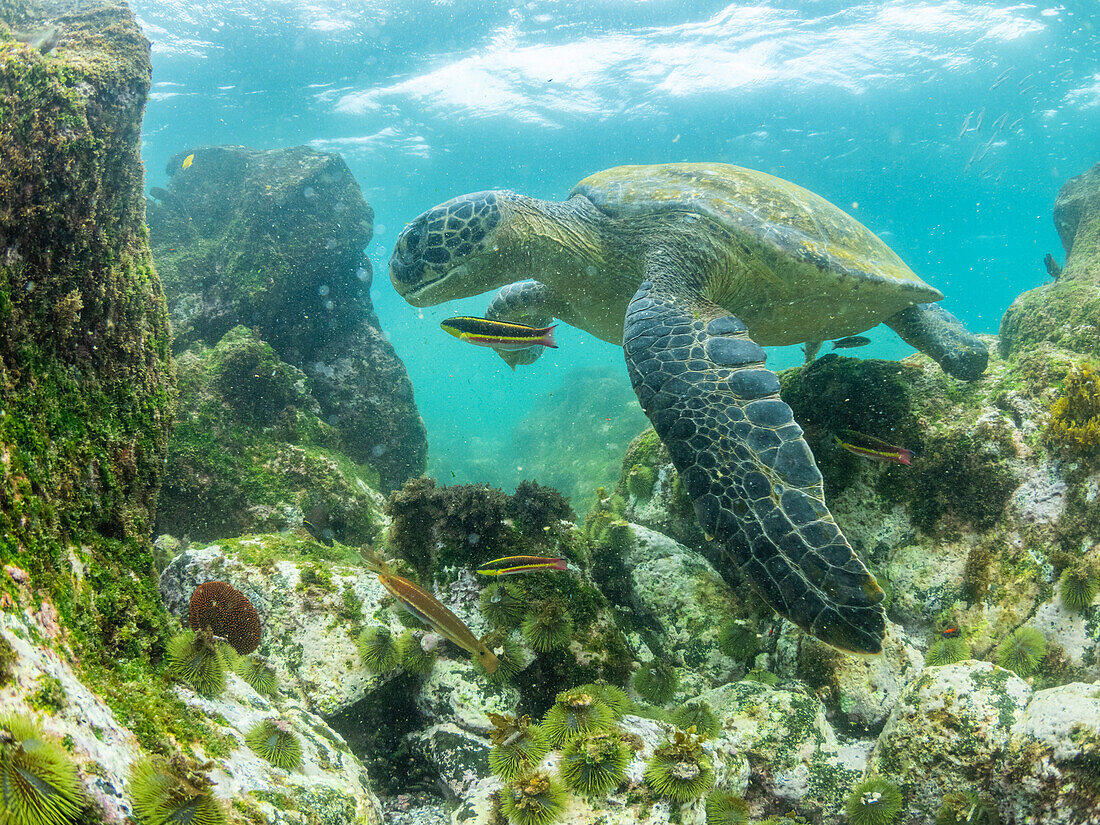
455 250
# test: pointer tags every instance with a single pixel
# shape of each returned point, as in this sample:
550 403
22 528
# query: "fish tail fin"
560 564
547 339
905 457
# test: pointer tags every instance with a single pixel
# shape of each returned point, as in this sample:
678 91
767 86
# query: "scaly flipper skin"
743 461
941 336
525 302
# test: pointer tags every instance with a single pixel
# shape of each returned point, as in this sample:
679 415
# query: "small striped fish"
510 565
873 448
499 335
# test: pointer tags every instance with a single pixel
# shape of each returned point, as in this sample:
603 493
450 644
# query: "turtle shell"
805 239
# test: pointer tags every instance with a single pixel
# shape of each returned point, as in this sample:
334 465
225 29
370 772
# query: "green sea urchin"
723 808
273 740
656 681
739 640
614 697
503 604
258 674
378 650
1077 587
874 801
680 770
1022 651
198 660
518 746
39 784
967 808
510 658
162 796
595 763
417 651
640 480
534 799
947 652
697 715
573 713
547 627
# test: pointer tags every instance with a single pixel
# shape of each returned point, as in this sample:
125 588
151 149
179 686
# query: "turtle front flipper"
744 462
941 336
524 302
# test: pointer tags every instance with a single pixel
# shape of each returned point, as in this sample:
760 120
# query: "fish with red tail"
873 448
511 565
500 335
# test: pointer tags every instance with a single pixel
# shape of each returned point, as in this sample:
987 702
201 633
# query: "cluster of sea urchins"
223 625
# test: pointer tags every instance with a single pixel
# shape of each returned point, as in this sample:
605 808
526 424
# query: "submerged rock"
1067 311
273 240
250 452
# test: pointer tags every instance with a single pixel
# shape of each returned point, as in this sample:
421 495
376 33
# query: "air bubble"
329 305
362 273
323 290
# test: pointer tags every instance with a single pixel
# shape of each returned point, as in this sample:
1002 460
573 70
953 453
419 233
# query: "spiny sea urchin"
533 799
503 604
947 651
698 715
723 808
39 784
656 681
680 770
1077 586
258 674
273 740
967 808
1022 651
594 763
573 713
518 745
547 626
417 651
510 658
378 650
199 660
166 796
874 801
738 639
614 697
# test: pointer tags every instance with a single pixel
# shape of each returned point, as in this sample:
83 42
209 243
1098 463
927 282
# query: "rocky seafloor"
645 684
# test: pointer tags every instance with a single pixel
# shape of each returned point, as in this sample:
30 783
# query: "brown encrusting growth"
228 612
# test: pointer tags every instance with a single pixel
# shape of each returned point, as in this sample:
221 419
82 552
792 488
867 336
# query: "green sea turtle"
690 267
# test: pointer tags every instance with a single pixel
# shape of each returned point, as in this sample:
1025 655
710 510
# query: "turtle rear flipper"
744 462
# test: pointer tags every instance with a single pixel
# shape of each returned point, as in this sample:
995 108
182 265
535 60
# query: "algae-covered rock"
274 240
313 606
949 729
1052 773
1066 312
250 452
86 390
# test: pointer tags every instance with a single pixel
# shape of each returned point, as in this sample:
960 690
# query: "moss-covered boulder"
86 390
1066 312
949 731
251 454
273 240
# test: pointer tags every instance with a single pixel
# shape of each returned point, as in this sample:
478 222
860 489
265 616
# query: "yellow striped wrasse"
499 335
510 565
429 610
873 448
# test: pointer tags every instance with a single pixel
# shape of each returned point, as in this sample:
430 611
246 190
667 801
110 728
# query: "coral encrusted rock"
273 240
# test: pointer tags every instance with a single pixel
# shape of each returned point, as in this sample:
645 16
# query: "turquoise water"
864 104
